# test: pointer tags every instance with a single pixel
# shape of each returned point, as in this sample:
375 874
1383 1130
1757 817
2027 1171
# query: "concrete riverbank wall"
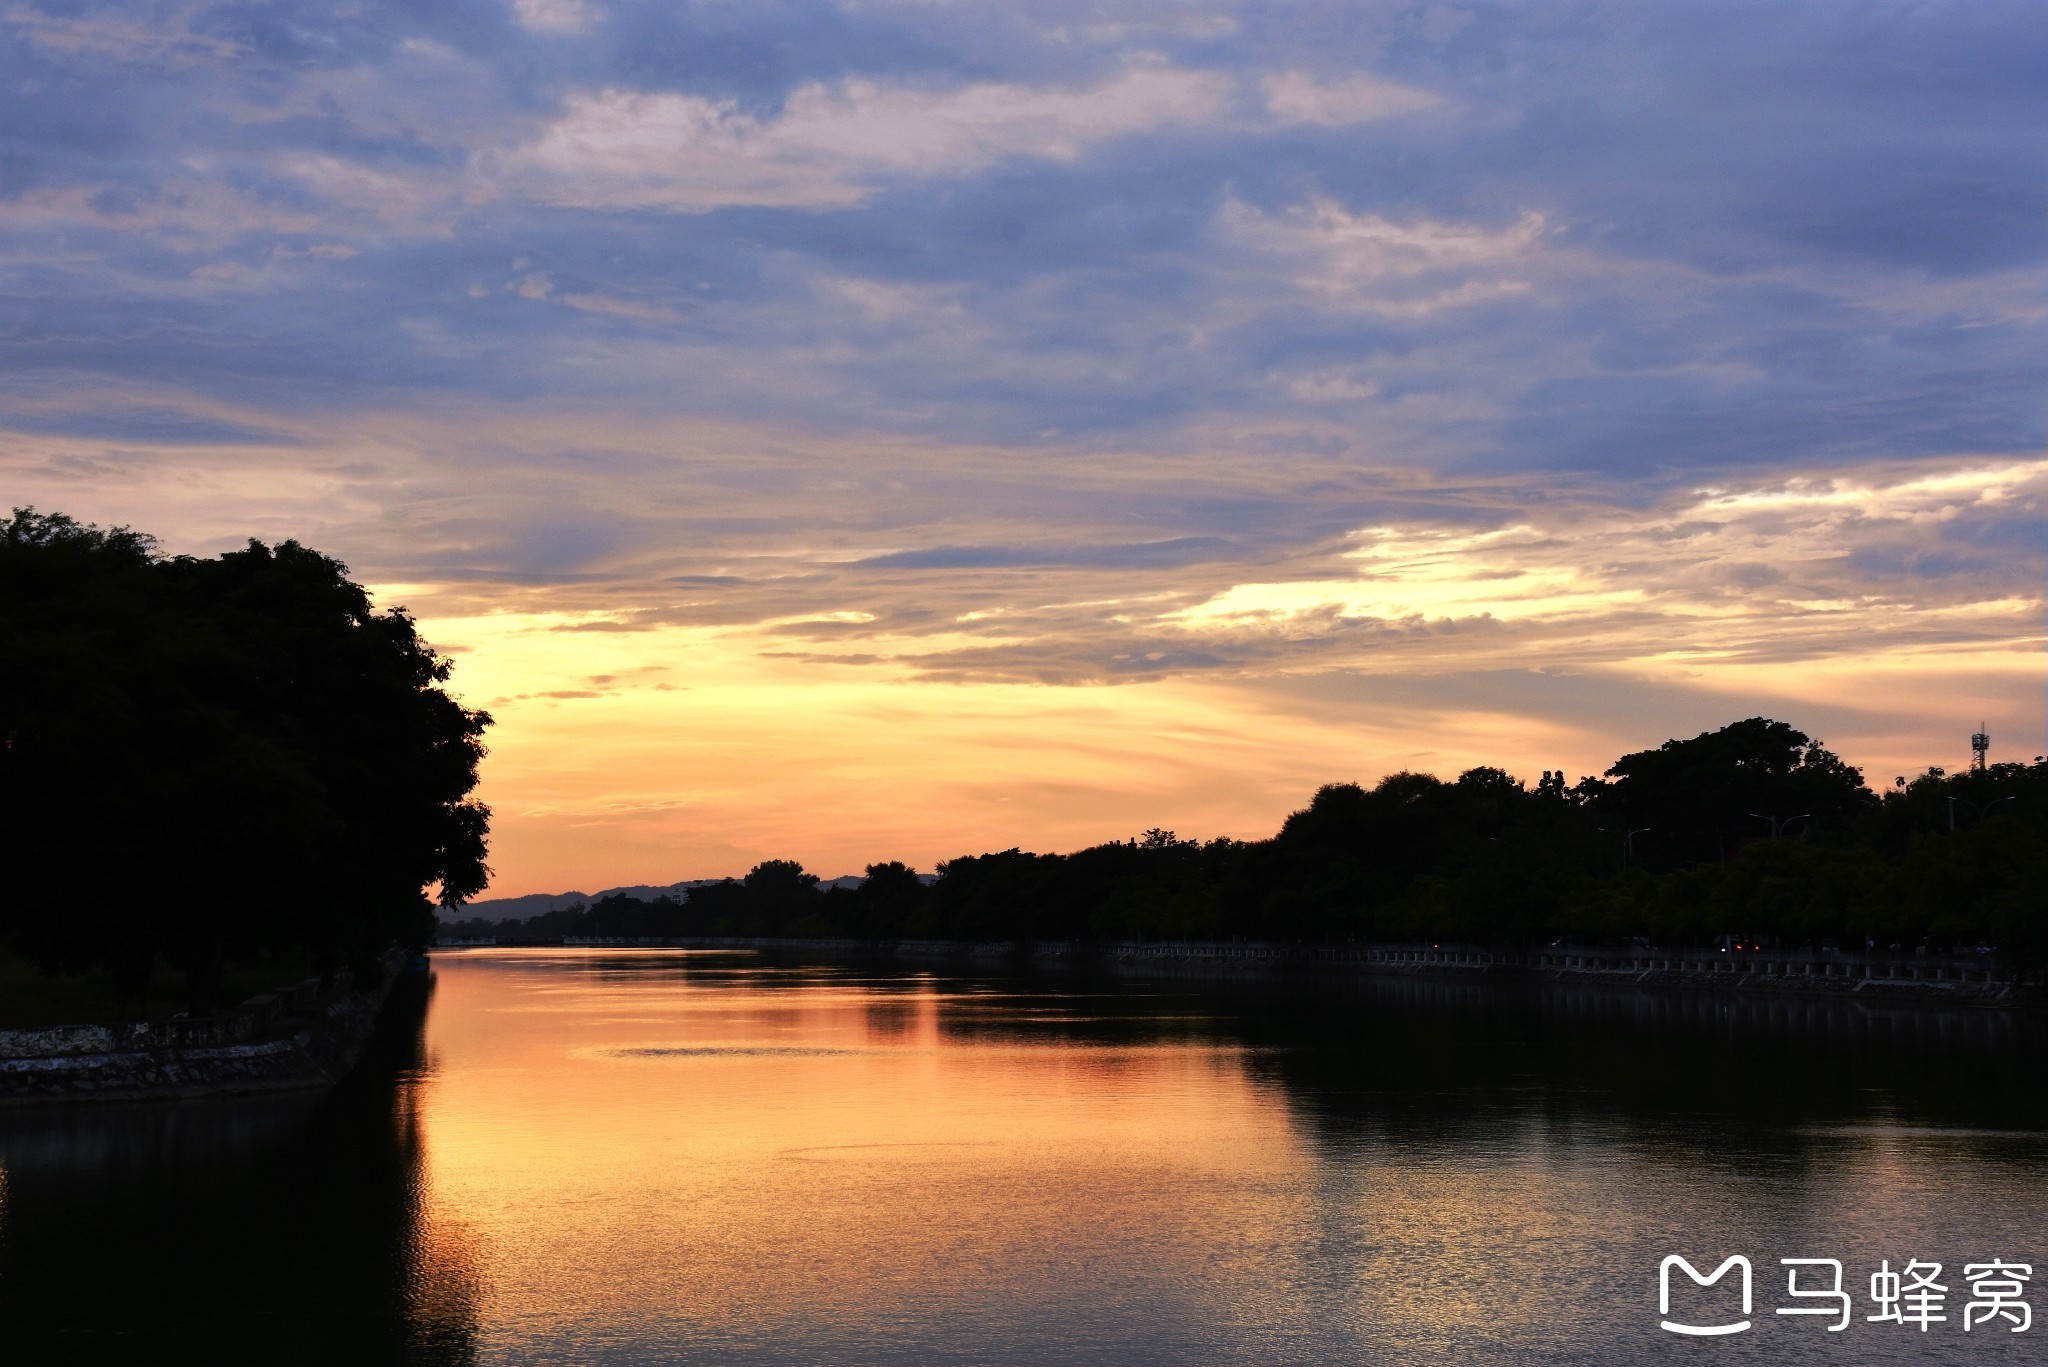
300 1037
1963 980
1955 980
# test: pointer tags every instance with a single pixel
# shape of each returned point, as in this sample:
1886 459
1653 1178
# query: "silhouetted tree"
236 754
780 898
886 903
1701 798
1485 859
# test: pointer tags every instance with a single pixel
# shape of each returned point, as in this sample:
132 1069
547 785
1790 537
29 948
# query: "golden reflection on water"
734 1155
656 1156
610 1157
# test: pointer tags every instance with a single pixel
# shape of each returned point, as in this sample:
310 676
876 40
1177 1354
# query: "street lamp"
1628 845
1777 825
1981 812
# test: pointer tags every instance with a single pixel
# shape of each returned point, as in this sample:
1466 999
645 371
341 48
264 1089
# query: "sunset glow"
962 431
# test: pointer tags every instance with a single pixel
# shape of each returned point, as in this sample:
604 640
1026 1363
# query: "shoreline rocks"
298 1038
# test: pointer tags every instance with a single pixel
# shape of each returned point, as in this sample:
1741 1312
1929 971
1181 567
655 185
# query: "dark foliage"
204 759
1487 859
1694 800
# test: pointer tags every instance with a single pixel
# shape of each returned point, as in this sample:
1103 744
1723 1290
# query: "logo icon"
1701 1330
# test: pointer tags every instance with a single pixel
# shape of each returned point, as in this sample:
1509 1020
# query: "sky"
886 429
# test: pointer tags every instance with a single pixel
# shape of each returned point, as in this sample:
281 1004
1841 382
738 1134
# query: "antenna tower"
1980 745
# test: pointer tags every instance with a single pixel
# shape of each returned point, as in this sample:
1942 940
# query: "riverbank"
1953 980
32 997
305 1036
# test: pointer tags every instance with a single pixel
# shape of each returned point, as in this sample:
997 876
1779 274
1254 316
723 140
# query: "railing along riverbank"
1973 979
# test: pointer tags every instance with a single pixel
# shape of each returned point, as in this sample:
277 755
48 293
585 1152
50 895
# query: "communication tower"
1980 745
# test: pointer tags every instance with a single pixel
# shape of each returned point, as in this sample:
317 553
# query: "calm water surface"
616 1157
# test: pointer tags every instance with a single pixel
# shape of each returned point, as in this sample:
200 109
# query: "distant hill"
535 903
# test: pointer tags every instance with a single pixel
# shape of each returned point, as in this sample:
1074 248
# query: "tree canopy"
1669 845
1696 799
203 758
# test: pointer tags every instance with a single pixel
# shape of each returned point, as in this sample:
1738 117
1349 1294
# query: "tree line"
1754 832
208 760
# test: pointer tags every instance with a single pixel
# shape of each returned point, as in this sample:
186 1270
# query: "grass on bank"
30 997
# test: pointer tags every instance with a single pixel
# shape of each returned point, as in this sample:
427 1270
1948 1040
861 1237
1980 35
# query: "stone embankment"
1957 979
298 1037
1968 979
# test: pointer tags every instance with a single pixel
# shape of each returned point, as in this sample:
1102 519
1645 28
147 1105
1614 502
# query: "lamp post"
1777 825
1628 845
1981 812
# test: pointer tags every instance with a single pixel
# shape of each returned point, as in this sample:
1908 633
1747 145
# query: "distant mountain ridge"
537 903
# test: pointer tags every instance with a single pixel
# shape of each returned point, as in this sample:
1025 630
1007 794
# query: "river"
607 1156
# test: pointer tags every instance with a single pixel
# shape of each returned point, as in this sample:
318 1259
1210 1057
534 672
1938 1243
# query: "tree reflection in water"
273 1229
648 1156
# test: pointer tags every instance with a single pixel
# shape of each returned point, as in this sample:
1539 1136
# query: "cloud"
124 37
1639 709
556 16
539 286
619 308
1376 264
874 362
1780 572
831 146
898 554
1052 228
1294 97
1184 550
188 213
